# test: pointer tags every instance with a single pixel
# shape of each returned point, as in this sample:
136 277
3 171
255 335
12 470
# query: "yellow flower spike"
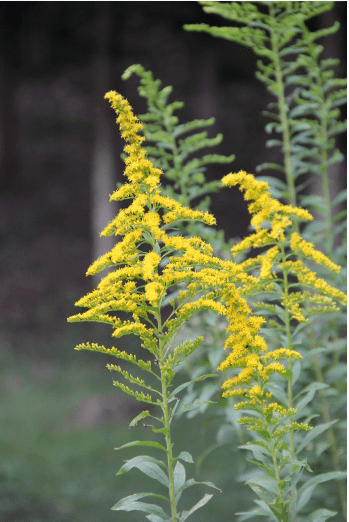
308 250
255 392
151 261
153 292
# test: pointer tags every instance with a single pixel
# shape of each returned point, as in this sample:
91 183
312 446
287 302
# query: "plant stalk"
282 104
166 422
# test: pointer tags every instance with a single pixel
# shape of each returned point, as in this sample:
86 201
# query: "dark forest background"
57 137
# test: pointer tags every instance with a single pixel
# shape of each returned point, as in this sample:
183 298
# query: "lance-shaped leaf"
192 482
179 478
188 383
142 415
320 515
149 466
198 505
155 518
193 405
305 492
266 488
142 443
130 504
312 434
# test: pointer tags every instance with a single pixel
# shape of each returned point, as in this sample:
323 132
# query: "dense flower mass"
149 261
272 223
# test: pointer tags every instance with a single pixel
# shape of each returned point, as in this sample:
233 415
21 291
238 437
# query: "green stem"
289 345
166 422
282 104
273 453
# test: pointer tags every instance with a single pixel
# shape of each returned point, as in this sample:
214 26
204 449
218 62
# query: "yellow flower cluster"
267 261
148 260
270 220
309 279
153 292
308 250
264 208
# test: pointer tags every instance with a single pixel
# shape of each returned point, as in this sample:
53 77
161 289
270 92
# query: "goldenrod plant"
287 295
151 262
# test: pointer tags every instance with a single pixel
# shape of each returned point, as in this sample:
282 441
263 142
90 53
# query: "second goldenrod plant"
286 292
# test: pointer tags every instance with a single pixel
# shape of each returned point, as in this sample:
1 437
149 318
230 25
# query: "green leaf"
313 386
303 402
305 492
245 515
320 515
160 430
191 482
142 415
264 467
340 198
266 484
148 465
188 383
155 518
287 374
179 479
267 496
193 405
130 504
142 443
184 455
314 433
202 502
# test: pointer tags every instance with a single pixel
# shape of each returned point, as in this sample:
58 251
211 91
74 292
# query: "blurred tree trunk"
103 161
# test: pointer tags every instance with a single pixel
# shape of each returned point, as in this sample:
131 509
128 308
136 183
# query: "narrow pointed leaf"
142 415
320 515
312 434
155 518
142 443
188 383
132 498
193 405
152 509
148 465
201 503
192 482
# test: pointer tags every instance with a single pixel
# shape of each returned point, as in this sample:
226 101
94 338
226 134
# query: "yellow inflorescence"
147 260
272 222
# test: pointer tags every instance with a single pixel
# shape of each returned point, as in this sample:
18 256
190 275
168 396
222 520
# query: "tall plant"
151 262
287 292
